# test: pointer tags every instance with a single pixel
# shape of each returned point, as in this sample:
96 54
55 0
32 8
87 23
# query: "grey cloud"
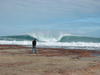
67 6
50 8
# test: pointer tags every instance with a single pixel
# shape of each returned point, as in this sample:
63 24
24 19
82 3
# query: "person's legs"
34 50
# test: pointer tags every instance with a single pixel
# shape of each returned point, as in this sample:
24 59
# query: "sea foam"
71 45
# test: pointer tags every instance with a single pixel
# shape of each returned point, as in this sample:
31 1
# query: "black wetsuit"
34 43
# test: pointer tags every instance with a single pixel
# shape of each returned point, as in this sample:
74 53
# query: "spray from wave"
48 37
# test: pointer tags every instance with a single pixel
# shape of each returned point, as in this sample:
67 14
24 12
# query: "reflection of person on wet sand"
34 46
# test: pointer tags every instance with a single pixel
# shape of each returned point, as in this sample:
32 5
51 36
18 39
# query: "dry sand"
19 60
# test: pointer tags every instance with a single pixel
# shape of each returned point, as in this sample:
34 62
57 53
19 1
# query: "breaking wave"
49 37
53 40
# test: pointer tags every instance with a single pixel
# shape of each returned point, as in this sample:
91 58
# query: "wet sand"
19 60
50 51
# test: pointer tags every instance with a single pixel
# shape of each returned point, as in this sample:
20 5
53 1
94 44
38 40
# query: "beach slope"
19 60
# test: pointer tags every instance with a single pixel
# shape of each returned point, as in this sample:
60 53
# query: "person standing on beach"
34 46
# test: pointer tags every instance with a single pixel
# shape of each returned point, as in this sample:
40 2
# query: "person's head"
34 39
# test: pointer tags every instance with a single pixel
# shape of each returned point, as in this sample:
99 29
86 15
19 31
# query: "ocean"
67 41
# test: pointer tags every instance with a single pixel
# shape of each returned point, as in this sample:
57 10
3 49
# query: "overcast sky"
80 17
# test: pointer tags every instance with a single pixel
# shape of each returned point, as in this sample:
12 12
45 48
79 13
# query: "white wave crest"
47 37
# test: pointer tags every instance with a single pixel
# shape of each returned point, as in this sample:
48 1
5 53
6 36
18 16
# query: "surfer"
34 46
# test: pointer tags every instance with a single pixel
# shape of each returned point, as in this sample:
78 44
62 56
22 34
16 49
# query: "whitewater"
53 40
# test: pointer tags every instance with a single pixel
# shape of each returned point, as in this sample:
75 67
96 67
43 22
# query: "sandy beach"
19 60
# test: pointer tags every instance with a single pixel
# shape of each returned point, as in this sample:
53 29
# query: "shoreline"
54 51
